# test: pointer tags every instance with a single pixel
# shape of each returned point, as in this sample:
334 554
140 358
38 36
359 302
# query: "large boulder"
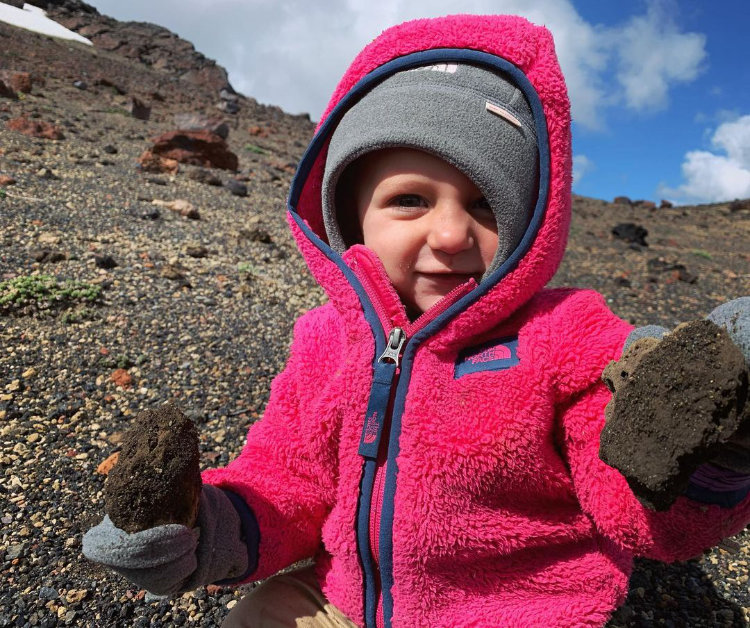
198 148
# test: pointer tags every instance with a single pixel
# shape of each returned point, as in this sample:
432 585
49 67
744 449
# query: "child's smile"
428 223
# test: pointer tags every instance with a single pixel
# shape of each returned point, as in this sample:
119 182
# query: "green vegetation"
256 149
118 110
702 253
44 292
247 268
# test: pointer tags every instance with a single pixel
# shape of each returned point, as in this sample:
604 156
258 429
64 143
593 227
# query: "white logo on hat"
448 68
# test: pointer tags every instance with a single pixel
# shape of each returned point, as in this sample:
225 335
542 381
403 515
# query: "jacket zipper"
376 418
385 380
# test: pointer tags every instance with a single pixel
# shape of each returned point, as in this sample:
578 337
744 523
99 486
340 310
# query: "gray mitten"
173 558
734 316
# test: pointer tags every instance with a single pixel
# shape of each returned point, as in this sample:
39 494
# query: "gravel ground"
200 312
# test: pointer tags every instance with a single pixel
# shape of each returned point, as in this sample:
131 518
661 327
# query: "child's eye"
482 204
409 200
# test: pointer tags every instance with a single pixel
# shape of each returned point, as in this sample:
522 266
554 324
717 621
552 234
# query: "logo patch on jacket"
495 355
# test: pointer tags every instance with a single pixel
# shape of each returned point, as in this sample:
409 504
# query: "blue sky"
660 88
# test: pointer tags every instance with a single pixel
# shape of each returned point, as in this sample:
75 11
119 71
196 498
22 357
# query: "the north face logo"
496 355
371 429
500 352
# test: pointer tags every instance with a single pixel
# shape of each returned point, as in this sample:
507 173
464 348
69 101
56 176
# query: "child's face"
427 222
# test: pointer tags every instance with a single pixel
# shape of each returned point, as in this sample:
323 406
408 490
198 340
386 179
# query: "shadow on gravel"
676 595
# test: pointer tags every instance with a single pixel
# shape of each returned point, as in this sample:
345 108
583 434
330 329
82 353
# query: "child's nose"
451 229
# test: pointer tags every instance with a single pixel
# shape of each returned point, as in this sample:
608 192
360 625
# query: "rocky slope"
199 311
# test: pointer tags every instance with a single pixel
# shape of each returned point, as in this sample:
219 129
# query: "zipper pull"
380 394
395 344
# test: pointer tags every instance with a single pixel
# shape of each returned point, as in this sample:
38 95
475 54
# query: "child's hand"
171 558
153 498
679 400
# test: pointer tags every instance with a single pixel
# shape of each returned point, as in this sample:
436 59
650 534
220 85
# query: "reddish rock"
644 204
622 200
121 377
17 81
106 465
21 82
35 128
6 180
158 164
665 204
198 148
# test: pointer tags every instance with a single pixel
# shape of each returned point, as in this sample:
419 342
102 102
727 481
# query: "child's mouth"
448 278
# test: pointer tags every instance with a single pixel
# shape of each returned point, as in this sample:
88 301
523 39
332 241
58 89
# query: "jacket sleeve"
684 531
286 472
584 336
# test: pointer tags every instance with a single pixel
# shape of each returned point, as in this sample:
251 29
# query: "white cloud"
291 53
653 55
711 177
581 165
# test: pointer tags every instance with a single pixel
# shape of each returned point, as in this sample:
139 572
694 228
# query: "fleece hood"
508 44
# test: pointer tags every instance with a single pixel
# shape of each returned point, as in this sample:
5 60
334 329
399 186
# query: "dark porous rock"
202 175
196 250
138 109
665 204
156 480
622 200
110 150
105 261
236 188
675 402
48 256
198 148
676 271
630 232
82 85
6 91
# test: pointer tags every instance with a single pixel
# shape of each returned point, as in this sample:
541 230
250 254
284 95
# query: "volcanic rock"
156 480
138 109
201 175
622 200
676 401
35 128
179 206
149 162
630 232
199 122
6 91
199 148
17 81
236 188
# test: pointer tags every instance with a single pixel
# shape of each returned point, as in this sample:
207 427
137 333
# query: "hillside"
200 310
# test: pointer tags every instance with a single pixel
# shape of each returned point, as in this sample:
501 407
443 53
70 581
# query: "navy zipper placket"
384 379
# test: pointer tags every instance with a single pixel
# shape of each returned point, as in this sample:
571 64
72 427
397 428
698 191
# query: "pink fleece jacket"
463 488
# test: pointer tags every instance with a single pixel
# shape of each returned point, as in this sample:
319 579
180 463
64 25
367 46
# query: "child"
433 440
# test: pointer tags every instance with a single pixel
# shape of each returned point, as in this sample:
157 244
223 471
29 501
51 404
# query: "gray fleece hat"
475 119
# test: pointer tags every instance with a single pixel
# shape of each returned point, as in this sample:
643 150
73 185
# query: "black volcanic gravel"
209 331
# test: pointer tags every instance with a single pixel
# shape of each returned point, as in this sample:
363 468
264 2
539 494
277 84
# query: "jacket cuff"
712 484
249 535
